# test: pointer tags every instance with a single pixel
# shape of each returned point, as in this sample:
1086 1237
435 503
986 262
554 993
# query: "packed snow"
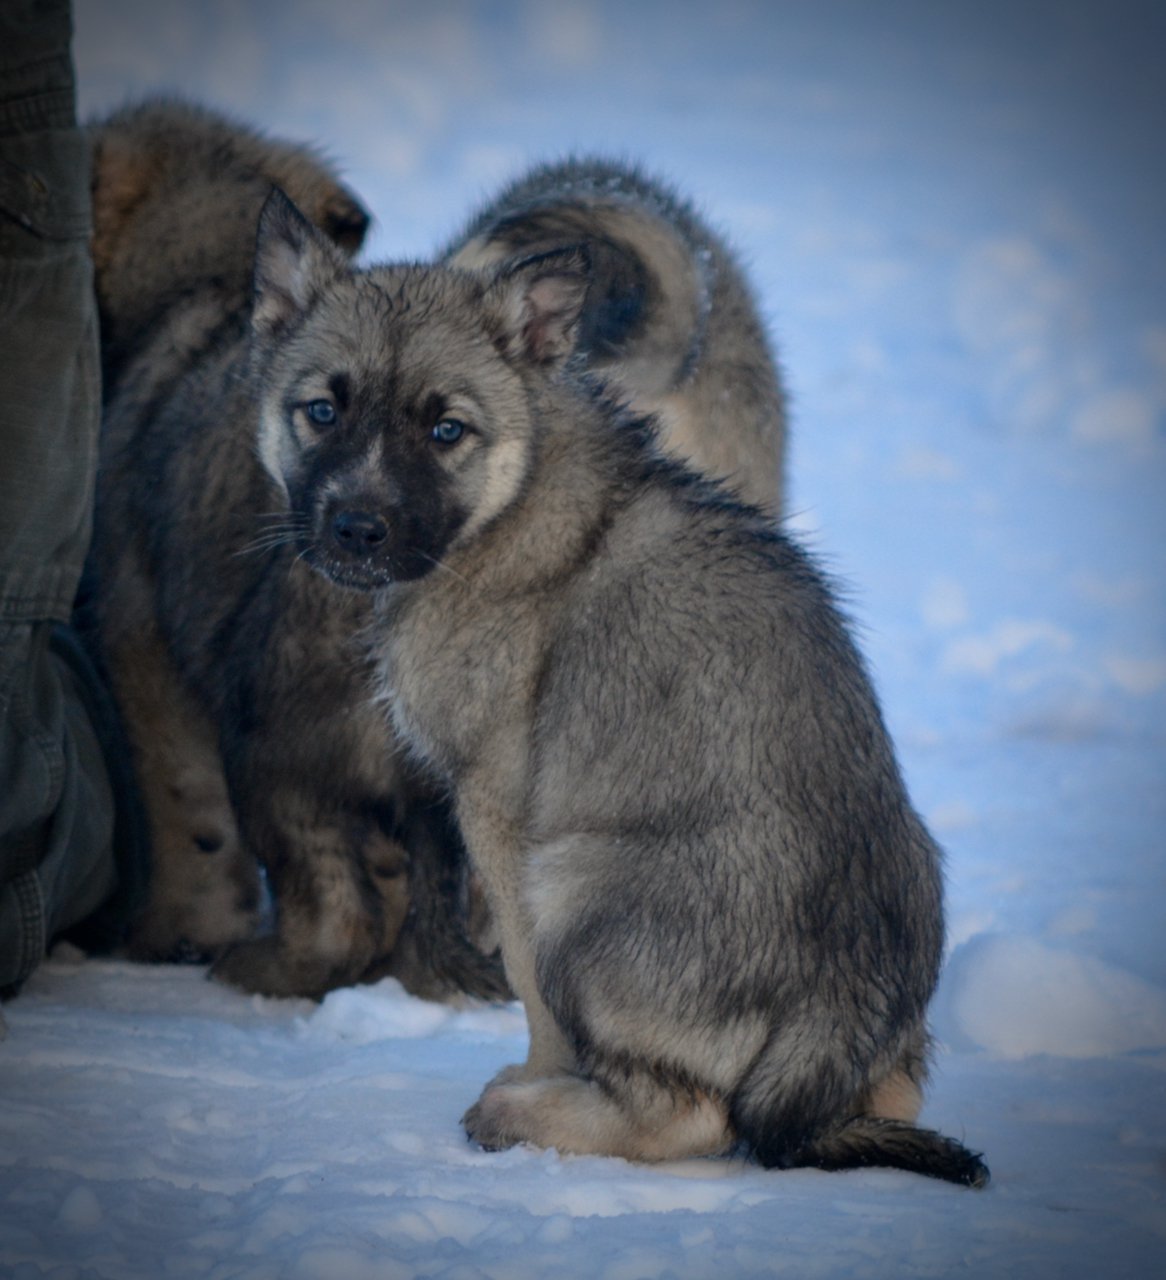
953 215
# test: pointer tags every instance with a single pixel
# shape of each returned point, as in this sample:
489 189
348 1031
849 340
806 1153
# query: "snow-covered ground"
954 215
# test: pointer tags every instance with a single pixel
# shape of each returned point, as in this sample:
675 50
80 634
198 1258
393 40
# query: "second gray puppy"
670 322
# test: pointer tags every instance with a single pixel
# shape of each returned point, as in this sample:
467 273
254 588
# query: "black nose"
360 533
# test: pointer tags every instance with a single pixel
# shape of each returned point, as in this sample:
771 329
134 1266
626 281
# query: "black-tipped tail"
868 1142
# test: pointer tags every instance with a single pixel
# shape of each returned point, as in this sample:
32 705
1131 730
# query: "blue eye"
448 431
321 413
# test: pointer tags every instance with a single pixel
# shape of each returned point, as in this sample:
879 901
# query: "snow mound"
364 1015
386 1011
1016 997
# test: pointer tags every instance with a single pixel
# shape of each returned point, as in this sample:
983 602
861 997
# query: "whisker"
269 521
283 529
267 542
440 564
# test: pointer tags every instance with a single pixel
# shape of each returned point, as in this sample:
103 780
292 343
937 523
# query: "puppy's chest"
456 679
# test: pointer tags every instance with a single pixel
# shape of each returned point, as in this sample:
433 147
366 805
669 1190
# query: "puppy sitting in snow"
721 913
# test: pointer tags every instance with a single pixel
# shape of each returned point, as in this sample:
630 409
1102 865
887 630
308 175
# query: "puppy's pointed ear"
294 263
344 220
536 304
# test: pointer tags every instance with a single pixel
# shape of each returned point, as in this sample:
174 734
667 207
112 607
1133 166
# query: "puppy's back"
756 869
670 318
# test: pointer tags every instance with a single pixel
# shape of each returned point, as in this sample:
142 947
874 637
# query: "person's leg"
57 804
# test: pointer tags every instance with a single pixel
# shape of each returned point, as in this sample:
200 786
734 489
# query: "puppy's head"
176 191
397 404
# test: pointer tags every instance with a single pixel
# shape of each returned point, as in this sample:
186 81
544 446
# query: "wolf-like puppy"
175 192
669 322
714 898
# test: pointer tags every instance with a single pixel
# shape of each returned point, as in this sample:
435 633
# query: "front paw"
263 967
488 1122
252 966
198 907
518 1107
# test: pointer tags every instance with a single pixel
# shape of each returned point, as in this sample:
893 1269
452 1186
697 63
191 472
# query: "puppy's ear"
294 264
344 220
536 304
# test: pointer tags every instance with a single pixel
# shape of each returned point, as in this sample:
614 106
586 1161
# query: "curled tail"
868 1141
670 322
788 1110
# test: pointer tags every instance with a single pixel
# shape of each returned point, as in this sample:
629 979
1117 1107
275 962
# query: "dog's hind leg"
898 1095
204 891
340 886
583 1117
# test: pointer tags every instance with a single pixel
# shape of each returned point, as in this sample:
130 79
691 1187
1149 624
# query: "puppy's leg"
898 1094
204 885
341 893
582 1117
897 1097
498 855
442 951
549 1054
549 1059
